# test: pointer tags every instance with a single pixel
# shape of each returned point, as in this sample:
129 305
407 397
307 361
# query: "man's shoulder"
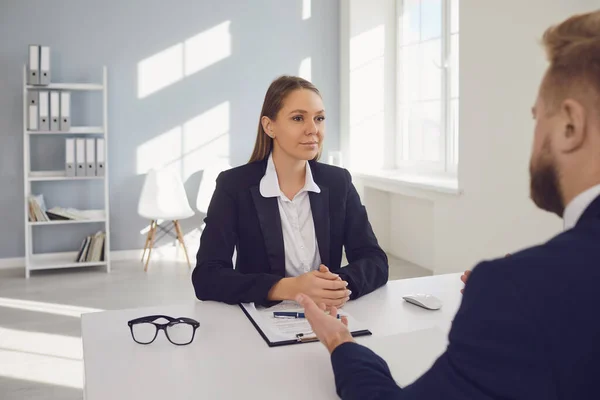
570 256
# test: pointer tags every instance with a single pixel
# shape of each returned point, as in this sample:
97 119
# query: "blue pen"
290 314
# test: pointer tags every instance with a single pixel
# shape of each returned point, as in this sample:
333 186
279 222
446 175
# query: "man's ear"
267 125
573 133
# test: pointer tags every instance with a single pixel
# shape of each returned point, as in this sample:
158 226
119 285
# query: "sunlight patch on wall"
160 151
206 140
171 65
161 70
207 48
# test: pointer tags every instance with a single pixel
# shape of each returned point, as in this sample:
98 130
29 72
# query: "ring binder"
44 109
54 111
90 157
33 76
80 157
44 65
70 157
65 111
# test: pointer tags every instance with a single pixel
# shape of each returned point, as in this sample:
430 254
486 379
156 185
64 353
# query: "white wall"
501 64
412 230
368 95
210 63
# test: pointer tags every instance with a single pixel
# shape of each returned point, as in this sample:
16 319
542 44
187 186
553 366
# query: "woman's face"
299 128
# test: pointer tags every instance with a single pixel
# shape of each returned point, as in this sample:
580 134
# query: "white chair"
209 183
163 198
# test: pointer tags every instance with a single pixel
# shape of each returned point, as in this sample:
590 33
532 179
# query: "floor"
40 334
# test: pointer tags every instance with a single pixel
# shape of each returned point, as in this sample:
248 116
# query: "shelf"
75 130
68 222
67 86
93 219
37 176
59 260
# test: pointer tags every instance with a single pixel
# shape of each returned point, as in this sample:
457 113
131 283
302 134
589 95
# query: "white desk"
229 359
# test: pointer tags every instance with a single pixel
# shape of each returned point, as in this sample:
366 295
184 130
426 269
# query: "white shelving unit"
59 260
37 176
68 222
41 261
76 130
68 86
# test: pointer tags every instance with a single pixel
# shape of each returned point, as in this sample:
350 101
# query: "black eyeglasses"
179 331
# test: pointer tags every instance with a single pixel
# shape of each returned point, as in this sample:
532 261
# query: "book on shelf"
83 250
92 248
56 217
37 209
39 213
60 213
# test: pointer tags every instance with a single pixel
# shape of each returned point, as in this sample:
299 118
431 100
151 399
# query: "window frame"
447 166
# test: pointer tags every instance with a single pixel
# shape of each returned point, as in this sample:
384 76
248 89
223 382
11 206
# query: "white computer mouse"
426 301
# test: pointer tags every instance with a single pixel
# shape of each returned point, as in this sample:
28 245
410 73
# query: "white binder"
54 111
65 111
100 157
32 97
44 65
44 124
70 157
90 157
32 110
33 118
80 157
33 77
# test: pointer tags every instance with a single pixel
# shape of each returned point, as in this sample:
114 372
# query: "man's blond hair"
573 50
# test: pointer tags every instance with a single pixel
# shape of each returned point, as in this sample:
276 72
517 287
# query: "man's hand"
466 274
322 286
331 331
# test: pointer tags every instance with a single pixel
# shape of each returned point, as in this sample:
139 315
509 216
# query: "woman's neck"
291 173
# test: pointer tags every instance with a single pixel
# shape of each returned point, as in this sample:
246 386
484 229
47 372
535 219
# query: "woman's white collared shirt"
299 238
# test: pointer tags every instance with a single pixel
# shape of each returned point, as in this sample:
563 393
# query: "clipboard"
273 339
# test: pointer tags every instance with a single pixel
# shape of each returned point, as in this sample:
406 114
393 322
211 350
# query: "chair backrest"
208 184
163 196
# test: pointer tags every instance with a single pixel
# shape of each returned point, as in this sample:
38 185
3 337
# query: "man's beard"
544 185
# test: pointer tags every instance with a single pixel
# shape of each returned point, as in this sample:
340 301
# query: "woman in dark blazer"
288 216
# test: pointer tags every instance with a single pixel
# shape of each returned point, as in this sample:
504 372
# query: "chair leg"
148 236
180 237
151 244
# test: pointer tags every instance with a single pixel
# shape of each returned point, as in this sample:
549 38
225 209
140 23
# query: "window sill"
395 181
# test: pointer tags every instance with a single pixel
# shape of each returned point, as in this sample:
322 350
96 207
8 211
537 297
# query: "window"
427 92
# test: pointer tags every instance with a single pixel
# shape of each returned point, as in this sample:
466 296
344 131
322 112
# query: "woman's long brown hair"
278 91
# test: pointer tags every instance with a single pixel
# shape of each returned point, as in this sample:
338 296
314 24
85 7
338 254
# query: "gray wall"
269 38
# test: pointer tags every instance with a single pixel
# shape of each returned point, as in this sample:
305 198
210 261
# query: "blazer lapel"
270 224
319 204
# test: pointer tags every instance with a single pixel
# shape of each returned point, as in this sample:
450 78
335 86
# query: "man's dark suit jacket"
528 328
240 217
